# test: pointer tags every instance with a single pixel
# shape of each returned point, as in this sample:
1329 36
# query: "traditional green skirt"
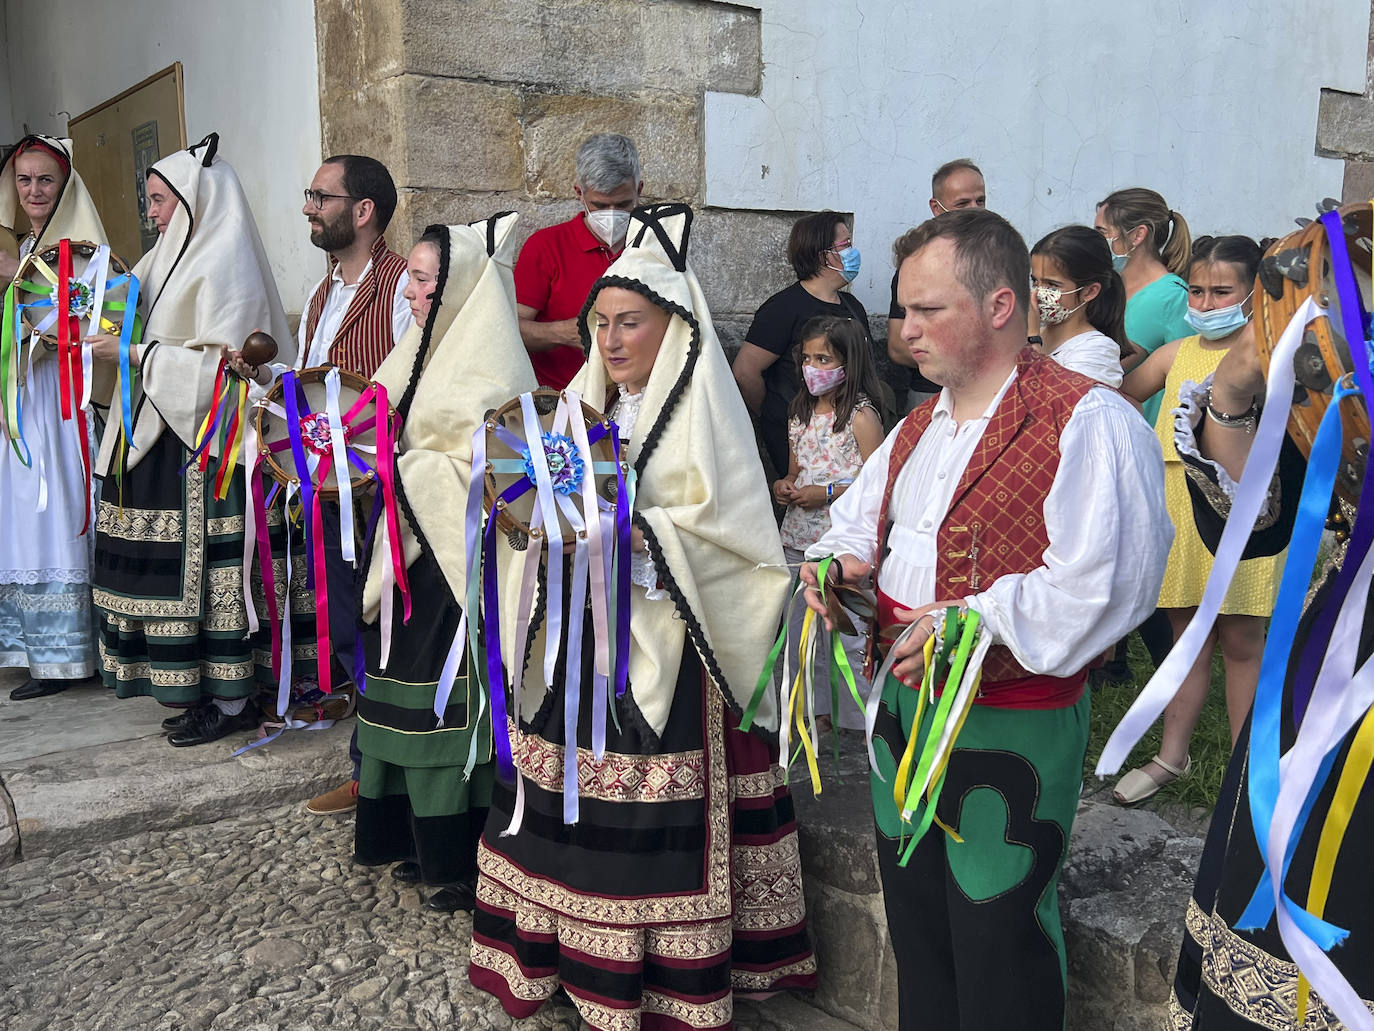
414 802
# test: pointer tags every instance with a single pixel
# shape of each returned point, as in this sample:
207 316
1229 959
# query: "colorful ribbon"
54 308
341 456
1250 499
557 467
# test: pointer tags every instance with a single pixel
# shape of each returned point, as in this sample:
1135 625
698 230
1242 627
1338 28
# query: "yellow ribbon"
903 779
1348 788
801 699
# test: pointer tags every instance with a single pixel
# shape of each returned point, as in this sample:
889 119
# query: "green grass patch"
1210 747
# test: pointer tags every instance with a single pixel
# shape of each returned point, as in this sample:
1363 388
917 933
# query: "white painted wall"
1212 104
7 127
251 76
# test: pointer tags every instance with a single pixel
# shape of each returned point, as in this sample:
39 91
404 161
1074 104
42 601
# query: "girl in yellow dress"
1221 279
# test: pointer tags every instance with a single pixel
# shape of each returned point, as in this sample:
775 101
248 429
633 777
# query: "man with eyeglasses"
955 185
354 317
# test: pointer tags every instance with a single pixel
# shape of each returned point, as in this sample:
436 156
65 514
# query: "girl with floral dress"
833 426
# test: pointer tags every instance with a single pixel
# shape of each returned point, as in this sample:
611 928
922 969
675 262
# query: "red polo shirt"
553 275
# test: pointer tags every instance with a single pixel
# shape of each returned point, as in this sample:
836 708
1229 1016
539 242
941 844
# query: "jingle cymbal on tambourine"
1298 267
259 348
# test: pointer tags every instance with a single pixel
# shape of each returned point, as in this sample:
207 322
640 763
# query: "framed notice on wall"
115 143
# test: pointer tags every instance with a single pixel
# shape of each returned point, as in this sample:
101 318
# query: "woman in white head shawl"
45 563
424 785
638 893
167 572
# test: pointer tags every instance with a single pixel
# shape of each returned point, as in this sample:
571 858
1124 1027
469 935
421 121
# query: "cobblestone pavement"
258 922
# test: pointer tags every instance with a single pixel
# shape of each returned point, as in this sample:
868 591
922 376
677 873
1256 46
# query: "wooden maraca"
258 348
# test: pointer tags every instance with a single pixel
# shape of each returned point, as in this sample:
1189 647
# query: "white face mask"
609 225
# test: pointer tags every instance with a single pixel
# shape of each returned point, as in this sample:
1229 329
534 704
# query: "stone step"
82 768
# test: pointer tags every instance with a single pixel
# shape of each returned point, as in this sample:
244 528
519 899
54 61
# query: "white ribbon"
553 603
449 673
95 279
1250 497
1339 700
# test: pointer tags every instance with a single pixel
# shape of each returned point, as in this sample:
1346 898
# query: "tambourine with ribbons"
1305 264
548 473
310 428
63 294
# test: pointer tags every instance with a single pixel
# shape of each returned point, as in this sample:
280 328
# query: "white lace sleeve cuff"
644 573
1188 417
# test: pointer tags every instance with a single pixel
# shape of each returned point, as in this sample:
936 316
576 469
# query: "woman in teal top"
1150 246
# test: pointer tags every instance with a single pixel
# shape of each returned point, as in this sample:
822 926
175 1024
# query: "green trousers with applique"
975 923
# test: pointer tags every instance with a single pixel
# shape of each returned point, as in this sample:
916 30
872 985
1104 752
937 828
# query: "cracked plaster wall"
1214 105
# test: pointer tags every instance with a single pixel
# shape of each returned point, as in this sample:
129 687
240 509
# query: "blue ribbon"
126 334
1355 327
1267 714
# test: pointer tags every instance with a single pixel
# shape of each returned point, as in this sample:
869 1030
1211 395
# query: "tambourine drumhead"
516 515
37 305
1293 269
272 428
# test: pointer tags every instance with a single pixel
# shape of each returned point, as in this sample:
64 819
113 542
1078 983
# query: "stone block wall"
1345 129
478 106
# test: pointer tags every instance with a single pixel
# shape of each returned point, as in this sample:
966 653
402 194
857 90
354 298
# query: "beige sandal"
1138 785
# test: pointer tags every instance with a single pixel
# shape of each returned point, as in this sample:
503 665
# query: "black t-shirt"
918 382
775 328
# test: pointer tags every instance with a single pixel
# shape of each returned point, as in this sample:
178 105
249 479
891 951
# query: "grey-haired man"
558 265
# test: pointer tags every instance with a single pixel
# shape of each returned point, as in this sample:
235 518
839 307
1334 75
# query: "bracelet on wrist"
1247 420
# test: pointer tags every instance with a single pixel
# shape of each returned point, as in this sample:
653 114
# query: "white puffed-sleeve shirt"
1109 532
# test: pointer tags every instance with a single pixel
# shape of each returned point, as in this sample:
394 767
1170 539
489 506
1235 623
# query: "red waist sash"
1030 692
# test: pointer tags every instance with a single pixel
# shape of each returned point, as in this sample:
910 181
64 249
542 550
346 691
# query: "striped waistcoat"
364 337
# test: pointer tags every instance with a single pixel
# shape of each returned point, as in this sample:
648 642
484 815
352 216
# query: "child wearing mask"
833 426
1081 303
1221 280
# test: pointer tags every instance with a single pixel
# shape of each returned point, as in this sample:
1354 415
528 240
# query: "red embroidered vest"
364 337
995 523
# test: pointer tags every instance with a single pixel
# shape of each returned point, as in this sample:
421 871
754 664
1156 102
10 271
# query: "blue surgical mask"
849 262
1119 260
1219 322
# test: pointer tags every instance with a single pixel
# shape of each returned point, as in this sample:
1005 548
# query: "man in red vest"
353 318
1033 496
558 264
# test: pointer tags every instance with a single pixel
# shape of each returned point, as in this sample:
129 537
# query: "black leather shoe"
39 689
178 721
406 873
450 900
207 723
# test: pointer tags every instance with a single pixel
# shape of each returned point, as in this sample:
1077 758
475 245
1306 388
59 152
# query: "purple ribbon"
220 406
505 762
622 570
1355 323
292 397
